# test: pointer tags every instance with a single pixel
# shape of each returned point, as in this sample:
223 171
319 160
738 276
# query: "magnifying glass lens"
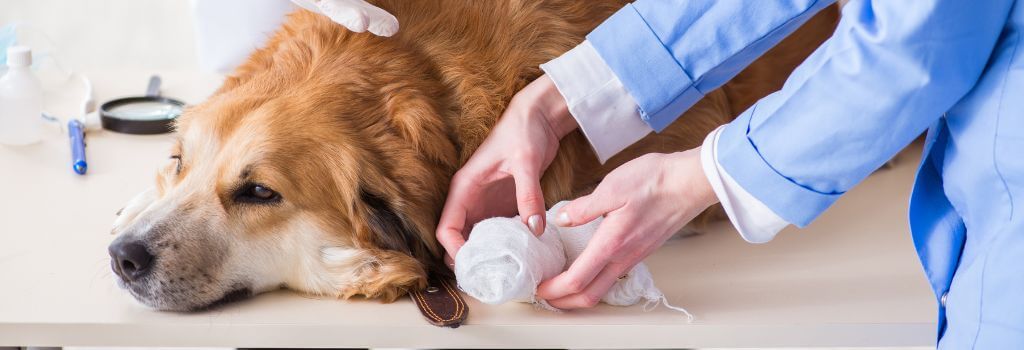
143 115
145 110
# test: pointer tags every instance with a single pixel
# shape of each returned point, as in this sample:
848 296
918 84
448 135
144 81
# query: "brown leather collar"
441 303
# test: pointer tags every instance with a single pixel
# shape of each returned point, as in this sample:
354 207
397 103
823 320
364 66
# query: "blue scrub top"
892 70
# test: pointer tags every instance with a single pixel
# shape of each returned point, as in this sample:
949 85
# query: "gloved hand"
356 15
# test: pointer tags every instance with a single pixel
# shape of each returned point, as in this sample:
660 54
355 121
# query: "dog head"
315 167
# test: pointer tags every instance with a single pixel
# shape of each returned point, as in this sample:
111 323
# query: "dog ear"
392 231
389 230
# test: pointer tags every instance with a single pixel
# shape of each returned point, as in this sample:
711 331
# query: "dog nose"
129 258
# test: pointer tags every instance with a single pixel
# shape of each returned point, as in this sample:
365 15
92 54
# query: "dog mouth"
184 300
231 296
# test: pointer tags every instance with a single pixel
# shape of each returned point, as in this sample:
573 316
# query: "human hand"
503 175
356 15
644 202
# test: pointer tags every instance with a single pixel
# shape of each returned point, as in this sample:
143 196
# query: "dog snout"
130 259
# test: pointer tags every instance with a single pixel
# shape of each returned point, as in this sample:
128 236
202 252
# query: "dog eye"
258 194
177 167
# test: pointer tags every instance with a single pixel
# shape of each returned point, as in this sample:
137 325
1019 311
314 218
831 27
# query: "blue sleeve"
891 70
670 53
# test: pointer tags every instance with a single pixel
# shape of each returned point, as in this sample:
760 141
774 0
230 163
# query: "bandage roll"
503 261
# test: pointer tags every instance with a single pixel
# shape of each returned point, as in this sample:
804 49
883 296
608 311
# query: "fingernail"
535 225
562 219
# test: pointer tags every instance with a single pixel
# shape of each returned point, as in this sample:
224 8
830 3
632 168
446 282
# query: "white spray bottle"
21 100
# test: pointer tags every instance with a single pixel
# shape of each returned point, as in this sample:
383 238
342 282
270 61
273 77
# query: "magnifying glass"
143 115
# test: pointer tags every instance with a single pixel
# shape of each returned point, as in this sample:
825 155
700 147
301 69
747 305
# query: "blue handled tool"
77 134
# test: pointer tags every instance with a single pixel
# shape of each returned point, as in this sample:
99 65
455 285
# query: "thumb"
347 14
585 209
530 200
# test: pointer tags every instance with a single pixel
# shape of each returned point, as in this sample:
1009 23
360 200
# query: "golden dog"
322 163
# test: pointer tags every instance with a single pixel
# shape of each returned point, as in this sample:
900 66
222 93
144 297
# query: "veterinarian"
892 70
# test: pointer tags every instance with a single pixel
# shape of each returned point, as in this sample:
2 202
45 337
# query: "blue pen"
77 134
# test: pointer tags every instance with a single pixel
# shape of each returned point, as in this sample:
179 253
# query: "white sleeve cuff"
602 107
755 222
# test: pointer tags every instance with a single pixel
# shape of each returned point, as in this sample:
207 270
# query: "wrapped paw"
503 261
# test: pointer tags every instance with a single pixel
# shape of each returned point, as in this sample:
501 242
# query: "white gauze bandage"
503 261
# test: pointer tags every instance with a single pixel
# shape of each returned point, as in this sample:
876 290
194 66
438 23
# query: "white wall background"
95 35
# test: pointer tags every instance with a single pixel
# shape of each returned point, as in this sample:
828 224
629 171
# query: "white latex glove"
356 15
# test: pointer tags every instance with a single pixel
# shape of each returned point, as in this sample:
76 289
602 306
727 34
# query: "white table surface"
850 279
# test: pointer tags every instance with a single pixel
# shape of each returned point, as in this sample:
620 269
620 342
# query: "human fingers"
530 197
308 5
590 207
453 215
594 258
382 23
346 13
595 291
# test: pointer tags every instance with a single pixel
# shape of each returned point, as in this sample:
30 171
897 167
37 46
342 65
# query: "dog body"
322 163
